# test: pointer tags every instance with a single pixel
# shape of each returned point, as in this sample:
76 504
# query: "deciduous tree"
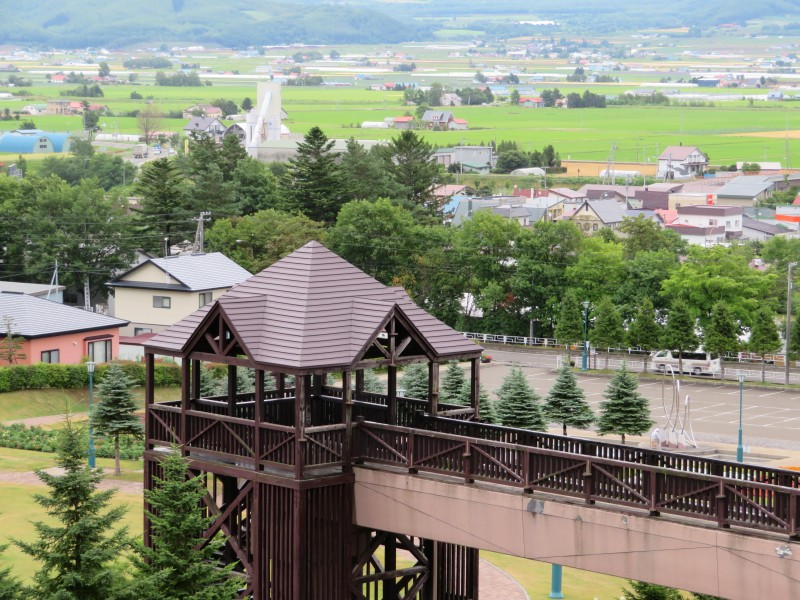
570 323
679 333
608 331
11 344
764 336
721 333
644 331
149 121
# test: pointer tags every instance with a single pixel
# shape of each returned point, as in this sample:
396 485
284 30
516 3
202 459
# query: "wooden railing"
325 446
728 498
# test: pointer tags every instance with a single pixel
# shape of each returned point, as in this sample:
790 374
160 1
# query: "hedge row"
45 440
46 375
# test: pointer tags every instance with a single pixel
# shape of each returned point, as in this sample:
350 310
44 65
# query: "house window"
51 356
100 351
727 223
736 223
141 330
594 227
162 302
205 298
712 222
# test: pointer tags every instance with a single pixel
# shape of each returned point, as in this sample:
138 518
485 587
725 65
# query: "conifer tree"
486 406
10 587
566 402
77 546
415 381
624 410
210 385
177 566
641 590
721 334
312 182
518 405
372 383
608 331
764 336
453 380
644 332
679 335
115 415
569 327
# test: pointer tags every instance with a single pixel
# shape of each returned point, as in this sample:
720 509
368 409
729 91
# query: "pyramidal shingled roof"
313 309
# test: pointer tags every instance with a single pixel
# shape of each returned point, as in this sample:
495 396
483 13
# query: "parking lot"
770 418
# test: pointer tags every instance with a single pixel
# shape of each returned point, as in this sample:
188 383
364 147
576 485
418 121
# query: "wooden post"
391 390
231 390
258 407
475 387
185 401
149 395
316 405
433 388
390 564
281 384
300 392
196 379
347 417
360 380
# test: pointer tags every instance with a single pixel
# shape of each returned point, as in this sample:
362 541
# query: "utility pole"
789 293
199 242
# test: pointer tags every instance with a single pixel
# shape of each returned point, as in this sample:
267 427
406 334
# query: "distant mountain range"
241 23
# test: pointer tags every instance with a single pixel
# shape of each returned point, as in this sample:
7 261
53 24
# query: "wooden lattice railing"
733 498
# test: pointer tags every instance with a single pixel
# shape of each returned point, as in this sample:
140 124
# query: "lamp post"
584 363
739 446
90 367
789 293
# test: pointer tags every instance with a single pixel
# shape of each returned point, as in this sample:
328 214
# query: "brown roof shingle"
314 310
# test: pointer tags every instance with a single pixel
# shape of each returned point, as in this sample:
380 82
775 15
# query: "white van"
695 363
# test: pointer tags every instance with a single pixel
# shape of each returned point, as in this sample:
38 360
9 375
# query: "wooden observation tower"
277 460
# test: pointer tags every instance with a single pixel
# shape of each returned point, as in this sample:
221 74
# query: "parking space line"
770 394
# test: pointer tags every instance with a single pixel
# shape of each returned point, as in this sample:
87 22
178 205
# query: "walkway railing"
729 499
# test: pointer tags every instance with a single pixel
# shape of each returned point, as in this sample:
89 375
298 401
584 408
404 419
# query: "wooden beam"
231 390
347 416
391 392
360 380
185 401
433 388
149 394
300 411
475 386
257 410
196 366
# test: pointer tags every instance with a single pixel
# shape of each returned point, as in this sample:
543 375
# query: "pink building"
56 333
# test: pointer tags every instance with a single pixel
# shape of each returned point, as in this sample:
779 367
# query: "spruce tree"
414 381
641 590
624 410
764 336
372 383
77 546
176 566
569 327
644 331
486 406
518 405
312 182
721 334
210 385
450 391
10 587
608 331
566 402
679 335
115 415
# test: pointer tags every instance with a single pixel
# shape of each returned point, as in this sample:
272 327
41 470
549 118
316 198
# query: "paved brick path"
496 584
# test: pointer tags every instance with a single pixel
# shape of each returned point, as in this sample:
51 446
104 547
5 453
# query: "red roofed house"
531 102
56 333
458 124
404 122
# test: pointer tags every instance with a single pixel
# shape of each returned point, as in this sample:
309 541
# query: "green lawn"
25 404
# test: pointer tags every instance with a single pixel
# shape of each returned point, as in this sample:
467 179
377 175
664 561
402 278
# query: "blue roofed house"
161 291
34 141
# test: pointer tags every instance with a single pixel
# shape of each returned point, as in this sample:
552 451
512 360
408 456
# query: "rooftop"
193 272
36 317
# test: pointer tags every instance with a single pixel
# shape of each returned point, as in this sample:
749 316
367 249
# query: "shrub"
46 375
45 440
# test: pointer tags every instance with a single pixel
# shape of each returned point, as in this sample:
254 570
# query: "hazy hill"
239 23
115 23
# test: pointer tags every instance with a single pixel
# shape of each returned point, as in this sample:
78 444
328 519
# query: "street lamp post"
789 293
584 363
739 446
92 463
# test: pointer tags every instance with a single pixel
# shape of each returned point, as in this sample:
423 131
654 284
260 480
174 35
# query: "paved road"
770 418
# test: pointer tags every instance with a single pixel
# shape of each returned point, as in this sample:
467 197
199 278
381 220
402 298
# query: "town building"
677 162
